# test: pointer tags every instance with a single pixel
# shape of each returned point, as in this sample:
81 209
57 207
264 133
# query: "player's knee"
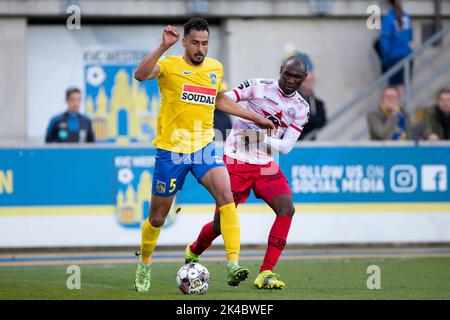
291 211
286 210
157 220
224 197
228 197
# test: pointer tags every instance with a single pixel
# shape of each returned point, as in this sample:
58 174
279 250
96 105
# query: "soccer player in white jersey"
248 156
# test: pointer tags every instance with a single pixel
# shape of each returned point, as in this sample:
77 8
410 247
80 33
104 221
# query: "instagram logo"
403 178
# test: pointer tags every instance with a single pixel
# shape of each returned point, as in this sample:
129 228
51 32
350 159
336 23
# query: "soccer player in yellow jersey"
190 87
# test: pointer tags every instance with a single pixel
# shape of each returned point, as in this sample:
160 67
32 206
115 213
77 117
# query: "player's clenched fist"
170 36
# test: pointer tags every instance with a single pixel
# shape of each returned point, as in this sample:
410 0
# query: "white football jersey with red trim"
265 98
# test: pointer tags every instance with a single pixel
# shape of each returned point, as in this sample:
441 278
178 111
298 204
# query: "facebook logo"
434 178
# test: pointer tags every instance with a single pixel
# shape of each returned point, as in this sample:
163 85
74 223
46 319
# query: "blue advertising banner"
102 176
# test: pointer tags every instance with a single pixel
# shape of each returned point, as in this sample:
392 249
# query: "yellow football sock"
231 231
150 235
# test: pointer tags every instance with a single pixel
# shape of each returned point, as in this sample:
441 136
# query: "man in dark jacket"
70 126
437 118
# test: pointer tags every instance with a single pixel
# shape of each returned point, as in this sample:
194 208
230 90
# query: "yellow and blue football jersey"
188 97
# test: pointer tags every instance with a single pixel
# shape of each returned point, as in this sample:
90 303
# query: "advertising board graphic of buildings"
134 190
133 199
122 110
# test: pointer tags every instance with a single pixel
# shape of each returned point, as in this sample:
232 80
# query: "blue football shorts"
171 168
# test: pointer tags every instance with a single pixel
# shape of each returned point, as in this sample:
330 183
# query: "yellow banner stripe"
57 210
443 207
331 207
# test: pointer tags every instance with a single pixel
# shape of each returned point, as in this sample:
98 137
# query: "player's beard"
194 58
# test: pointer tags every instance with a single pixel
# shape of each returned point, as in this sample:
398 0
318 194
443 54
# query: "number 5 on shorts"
173 186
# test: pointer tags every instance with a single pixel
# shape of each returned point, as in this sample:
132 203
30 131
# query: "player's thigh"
241 183
274 189
169 174
159 208
168 179
217 182
210 171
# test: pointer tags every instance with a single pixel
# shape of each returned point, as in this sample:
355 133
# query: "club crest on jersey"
277 119
199 95
213 78
291 113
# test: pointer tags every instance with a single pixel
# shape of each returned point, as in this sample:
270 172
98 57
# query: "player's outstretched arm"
283 146
148 69
225 104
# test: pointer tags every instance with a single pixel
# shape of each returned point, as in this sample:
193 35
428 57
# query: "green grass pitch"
401 278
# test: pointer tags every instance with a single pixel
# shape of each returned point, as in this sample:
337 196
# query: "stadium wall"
13 88
82 196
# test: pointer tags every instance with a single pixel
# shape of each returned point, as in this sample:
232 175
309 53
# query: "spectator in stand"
396 34
389 121
317 116
437 118
71 125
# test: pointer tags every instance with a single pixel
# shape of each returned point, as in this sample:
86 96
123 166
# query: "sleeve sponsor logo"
246 84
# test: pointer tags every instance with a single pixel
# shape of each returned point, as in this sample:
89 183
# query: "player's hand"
265 124
251 136
170 36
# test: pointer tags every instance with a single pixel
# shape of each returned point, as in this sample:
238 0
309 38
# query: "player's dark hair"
72 90
198 24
